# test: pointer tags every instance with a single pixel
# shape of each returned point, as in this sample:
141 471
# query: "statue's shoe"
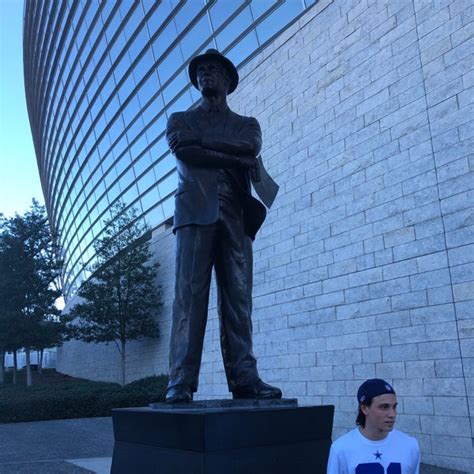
258 390
179 394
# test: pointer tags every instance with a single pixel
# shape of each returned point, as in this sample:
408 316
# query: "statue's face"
212 78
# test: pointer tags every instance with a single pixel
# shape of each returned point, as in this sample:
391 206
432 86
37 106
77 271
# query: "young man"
375 447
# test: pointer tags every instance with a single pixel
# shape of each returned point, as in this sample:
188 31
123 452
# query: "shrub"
76 399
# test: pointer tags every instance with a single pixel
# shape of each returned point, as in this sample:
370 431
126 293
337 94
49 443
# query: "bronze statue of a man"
215 221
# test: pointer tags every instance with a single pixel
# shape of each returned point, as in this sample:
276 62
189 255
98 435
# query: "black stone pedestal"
223 437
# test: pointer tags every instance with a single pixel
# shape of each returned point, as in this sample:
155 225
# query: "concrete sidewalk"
79 446
62 446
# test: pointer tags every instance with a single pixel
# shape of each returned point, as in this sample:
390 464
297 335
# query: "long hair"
360 420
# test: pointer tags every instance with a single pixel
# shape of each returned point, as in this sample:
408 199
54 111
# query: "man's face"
380 416
212 78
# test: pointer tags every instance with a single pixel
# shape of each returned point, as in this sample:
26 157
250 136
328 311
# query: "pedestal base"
223 437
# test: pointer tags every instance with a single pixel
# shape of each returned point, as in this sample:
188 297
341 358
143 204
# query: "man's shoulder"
401 437
179 119
177 115
346 439
243 118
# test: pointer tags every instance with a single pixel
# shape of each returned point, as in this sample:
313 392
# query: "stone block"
445 140
405 352
342 372
347 341
409 423
429 228
433 279
409 301
419 247
432 350
449 368
389 288
455 426
452 406
424 368
393 320
467 347
378 338
433 314
451 445
364 371
371 355
461 255
445 387
418 405
364 277
431 262
463 291
409 334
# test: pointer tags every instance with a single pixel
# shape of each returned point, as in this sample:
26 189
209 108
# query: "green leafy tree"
120 298
30 274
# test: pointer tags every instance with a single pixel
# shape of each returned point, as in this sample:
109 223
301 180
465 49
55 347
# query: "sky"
19 178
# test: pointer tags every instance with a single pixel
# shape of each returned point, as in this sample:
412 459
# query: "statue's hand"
182 138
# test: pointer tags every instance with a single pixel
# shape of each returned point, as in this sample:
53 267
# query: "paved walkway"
81 446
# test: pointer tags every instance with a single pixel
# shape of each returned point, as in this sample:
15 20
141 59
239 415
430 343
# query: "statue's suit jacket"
197 195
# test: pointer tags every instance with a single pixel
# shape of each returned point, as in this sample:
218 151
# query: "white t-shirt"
353 453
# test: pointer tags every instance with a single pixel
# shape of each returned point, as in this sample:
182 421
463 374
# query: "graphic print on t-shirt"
377 468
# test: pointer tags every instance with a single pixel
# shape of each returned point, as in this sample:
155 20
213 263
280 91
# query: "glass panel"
164 166
154 216
261 6
151 198
189 11
159 15
168 207
234 29
278 19
241 50
183 103
163 41
168 185
197 35
146 181
220 11
169 66
152 110
176 86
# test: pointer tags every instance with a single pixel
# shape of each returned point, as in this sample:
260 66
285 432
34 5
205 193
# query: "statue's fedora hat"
216 56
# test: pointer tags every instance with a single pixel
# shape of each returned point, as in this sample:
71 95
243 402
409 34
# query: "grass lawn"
57 396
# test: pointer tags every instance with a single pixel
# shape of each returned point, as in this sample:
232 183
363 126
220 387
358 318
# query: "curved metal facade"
101 78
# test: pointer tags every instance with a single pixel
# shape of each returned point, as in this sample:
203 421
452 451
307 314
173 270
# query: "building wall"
364 266
144 358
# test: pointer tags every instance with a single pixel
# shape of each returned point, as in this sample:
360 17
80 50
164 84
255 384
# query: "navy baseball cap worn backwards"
373 388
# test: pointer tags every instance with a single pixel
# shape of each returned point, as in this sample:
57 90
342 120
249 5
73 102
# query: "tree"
8 332
119 299
30 274
50 332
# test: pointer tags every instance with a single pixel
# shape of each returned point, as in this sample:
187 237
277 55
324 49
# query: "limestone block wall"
364 266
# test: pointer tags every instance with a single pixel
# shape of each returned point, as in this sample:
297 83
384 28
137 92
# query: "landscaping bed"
56 396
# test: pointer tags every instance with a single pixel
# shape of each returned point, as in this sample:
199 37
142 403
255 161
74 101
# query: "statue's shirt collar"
208 107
